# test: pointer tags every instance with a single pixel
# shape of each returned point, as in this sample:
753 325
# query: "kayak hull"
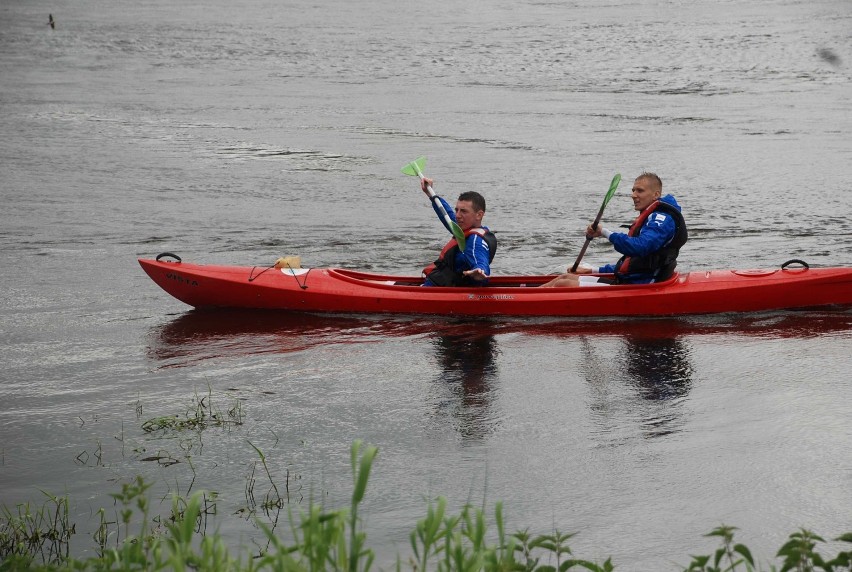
347 291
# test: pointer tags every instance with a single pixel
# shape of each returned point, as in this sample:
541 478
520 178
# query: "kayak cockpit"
534 281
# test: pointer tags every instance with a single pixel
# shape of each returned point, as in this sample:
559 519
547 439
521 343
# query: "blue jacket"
476 252
658 232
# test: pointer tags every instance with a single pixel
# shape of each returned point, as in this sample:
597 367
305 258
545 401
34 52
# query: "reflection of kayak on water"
202 334
349 291
654 359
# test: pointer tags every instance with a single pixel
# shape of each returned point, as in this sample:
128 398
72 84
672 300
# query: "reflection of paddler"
467 368
660 367
50 22
468 359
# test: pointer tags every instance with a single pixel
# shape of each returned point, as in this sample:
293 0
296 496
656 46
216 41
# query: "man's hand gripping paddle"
415 169
612 186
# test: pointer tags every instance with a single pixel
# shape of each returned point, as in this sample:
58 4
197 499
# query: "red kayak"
338 290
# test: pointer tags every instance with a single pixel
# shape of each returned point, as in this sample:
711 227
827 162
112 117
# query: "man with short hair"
454 266
649 249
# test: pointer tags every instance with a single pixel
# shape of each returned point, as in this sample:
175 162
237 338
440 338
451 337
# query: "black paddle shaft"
588 239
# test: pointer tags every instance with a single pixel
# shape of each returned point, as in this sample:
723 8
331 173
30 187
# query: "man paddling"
649 249
454 266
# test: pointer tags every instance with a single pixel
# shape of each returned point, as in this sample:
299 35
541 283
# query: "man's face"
645 192
466 216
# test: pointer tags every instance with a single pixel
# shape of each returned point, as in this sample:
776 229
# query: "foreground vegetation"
323 539
137 538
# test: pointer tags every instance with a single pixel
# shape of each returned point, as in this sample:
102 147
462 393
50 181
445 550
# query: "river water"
238 132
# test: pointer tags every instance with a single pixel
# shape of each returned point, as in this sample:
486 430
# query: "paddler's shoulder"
670 200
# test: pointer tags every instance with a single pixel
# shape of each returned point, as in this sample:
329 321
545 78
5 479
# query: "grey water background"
237 132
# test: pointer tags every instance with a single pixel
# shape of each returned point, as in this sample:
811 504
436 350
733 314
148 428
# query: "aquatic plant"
130 537
332 539
200 415
31 531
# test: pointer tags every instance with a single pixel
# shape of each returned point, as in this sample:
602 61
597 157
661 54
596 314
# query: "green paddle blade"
459 234
415 168
612 186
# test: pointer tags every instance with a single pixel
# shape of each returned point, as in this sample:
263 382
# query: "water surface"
237 133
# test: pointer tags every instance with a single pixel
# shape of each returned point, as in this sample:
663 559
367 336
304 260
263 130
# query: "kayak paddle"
415 169
612 186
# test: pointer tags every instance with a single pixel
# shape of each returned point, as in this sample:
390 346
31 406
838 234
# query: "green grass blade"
363 473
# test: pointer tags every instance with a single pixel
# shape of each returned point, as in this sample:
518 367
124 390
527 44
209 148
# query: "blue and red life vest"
442 272
660 264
